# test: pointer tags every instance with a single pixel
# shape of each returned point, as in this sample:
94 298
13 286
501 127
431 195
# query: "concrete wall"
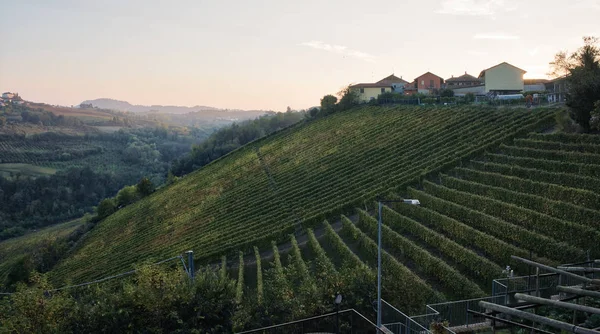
504 77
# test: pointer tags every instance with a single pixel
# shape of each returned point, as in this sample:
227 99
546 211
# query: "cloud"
340 49
496 36
475 7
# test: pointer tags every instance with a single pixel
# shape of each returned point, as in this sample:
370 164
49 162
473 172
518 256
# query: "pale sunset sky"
268 54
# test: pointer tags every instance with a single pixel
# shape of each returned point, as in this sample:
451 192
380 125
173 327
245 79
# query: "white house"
503 79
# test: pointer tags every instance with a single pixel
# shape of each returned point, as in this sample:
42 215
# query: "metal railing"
399 323
456 312
345 321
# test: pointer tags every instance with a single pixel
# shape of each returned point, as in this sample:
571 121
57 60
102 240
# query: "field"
10 170
320 170
86 115
12 250
31 157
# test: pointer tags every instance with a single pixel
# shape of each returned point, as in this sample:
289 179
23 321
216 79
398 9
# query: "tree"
447 92
348 98
127 195
145 187
328 104
595 119
583 78
106 208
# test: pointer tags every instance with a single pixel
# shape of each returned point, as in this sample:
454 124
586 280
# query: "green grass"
12 250
302 175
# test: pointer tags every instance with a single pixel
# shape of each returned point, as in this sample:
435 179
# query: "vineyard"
58 154
471 220
297 178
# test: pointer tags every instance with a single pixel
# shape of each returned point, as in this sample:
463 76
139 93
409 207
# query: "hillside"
303 174
16 249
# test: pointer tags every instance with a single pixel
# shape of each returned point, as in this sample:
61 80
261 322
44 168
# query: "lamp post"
380 203
337 301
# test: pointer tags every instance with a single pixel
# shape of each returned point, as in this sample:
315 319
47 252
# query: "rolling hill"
298 177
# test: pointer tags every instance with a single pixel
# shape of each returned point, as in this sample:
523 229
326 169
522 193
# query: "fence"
399 323
456 313
347 322
543 284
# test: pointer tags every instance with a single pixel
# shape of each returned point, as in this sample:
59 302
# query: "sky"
269 54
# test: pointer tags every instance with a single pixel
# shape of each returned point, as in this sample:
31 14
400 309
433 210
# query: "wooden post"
558 271
577 291
557 303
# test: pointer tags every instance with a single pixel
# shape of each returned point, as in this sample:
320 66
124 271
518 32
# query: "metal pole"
191 269
379 269
337 319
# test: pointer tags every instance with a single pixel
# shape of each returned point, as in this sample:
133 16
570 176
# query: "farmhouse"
503 79
370 91
428 83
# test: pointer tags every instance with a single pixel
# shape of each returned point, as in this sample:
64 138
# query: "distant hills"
105 103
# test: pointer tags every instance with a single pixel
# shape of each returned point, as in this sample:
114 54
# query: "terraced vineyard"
319 170
471 220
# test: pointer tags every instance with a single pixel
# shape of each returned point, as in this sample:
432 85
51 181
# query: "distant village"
9 97
502 80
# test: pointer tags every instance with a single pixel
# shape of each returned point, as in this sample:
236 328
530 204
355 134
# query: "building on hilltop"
369 91
427 83
557 89
8 95
503 79
465 80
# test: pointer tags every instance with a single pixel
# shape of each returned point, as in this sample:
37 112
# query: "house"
503 79
557 89
8 95
428 83
465 80
535 85
370 91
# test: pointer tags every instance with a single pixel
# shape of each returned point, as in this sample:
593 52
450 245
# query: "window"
383 90
422 82
362 90
431 83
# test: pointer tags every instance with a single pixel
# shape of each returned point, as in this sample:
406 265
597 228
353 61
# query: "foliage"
155 300
145 187
447 92
328 103
469 98
595 117
232 137
582 69
348 99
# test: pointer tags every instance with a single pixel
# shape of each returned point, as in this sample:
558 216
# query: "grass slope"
300 175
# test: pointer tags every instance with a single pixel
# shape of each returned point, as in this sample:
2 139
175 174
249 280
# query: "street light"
337 301
380 202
